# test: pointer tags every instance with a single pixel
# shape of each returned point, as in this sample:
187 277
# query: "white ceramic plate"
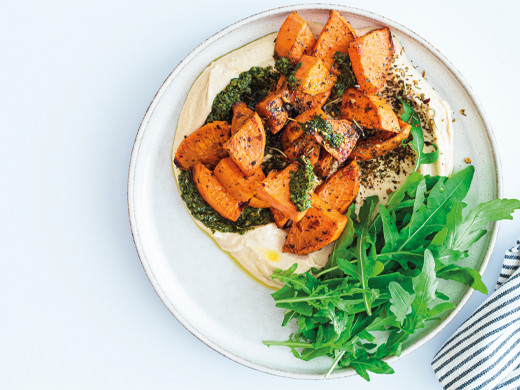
202 286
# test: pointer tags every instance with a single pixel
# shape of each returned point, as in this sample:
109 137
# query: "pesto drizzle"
202 211
249 87
301 185
347 78
319 125
288 69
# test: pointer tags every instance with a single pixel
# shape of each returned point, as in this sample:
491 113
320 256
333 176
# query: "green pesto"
301 185
288 69
202 211
319 125
249 87
347 77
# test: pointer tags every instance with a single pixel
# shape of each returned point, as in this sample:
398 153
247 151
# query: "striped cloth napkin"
484 353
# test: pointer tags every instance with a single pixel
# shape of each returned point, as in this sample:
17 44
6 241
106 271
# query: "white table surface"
76 77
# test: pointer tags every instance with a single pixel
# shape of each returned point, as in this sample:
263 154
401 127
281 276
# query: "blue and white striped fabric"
484 353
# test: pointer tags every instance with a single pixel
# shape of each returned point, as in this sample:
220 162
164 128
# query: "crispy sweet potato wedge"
215 194
299 100
275 191
241 112
246 146
293 131
370 111
205 145
294 38
319 227
335 36
273 111
379 143
313 76
341 188
325 163
237 184
257 203
303 101
371 57
304 146
349 133
279 219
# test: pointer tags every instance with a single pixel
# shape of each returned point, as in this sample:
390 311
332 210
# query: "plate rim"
493 232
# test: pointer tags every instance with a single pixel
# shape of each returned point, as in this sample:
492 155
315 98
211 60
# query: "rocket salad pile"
384 272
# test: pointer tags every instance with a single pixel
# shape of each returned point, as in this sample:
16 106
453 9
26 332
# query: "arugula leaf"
439 309
367 265
430 217
424 286
364 363
401 301
390 232
417 141
465 233
464 275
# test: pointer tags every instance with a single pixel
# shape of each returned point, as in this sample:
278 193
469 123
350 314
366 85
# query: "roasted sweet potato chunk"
241 112
319 227
257 203
371 56
341 188
279 219
325 164
237 184
379 143
205 145
273 111
303 101
215 194
299 100
294 38
293 131
335 36
275 191
370 111
313 77
349 133
304 146
246 146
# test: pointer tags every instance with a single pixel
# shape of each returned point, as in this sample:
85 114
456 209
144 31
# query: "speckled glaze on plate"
201 285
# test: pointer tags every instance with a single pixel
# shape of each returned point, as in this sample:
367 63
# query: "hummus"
259 250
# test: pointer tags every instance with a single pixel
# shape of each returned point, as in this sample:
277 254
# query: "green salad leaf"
417 140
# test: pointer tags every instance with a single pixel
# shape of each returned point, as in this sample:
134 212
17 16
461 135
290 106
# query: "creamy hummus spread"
259 250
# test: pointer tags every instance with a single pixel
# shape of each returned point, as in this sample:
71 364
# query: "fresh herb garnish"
202 211
301 185
347 78
321 126
417 141
288 69
384 272
249 87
